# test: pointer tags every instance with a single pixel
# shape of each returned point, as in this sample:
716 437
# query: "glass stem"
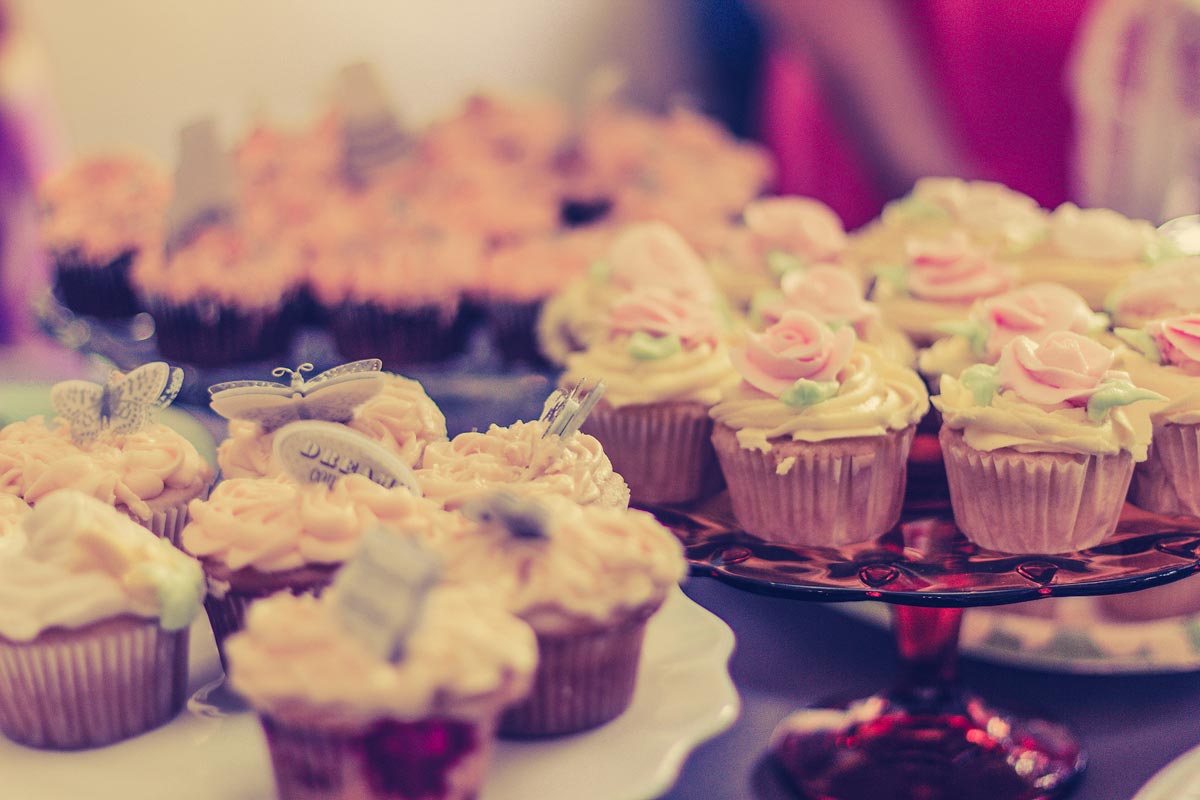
927 640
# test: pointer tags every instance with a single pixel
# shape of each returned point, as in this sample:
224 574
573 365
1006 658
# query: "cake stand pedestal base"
926 739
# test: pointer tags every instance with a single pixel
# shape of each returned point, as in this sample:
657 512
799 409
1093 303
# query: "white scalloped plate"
684 696
1077 640
1179 780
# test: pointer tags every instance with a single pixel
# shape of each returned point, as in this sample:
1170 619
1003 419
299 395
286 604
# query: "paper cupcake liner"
227 613
816 493
663 451
512 327
167 523
432 759
1034 502
582 680
93 686
1168 482
208 333
399 337
99 290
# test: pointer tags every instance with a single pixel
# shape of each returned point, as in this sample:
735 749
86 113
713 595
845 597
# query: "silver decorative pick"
522 517
203 192
380 592
565 412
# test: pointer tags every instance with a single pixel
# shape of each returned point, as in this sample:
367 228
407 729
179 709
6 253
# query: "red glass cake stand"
927 737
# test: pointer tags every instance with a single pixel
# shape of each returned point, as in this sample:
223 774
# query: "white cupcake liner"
664 452
833 493
1017 502
1168 482
93 686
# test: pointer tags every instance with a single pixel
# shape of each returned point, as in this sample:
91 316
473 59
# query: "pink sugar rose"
830 293
797 346
1035 311
1178 339
661 312
654 254
951 270
1064 368
807 229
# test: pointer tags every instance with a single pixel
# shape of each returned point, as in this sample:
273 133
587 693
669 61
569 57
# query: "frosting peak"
660 312
806 229
1101 234
951 269
653 254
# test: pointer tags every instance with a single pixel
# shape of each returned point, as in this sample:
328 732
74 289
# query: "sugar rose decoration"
1100 234
806 230
830 293
1036 311
653 254
1178 340
660 313
951 270
797 359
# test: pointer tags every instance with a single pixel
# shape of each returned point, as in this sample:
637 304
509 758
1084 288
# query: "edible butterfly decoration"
122 404
331 395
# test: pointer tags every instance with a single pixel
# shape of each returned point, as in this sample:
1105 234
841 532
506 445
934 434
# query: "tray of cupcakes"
384 600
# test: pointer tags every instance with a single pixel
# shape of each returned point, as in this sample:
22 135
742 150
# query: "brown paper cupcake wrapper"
1168 482
582 680
167 524
96 289
417 335
209 333
1034 502
833 493
664 452
94 686
434 759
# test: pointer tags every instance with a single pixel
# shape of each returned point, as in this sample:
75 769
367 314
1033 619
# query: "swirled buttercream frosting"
463 658
276 524
130 471
81 561
520 459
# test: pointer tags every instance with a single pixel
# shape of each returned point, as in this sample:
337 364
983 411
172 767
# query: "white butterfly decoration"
123 404
331 396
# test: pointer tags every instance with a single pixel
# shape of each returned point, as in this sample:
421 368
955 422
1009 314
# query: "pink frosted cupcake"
1036 311
935 283
401 417
342 720
1164 356
1168 289
587 579
97 216
833 294
522 459
813 441
1039 450
93 626
664 364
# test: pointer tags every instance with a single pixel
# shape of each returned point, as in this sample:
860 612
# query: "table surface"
791 654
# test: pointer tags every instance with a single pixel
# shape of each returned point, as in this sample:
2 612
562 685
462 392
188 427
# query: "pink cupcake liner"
93 686
582 680
1034 502
1168 482
816 493
663 451
431 759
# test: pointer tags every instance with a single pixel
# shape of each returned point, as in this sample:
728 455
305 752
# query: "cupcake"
223 297
1168 289
401 417
93 627
260 536
990 215
149 474
1092 250
646 255
587 579
1039 450
400 296
1164 357
523 458
813 440
936 283
343 719
663 365
1036 311
833 294
97 216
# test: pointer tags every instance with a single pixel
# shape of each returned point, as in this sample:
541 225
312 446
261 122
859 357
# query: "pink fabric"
1000 70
